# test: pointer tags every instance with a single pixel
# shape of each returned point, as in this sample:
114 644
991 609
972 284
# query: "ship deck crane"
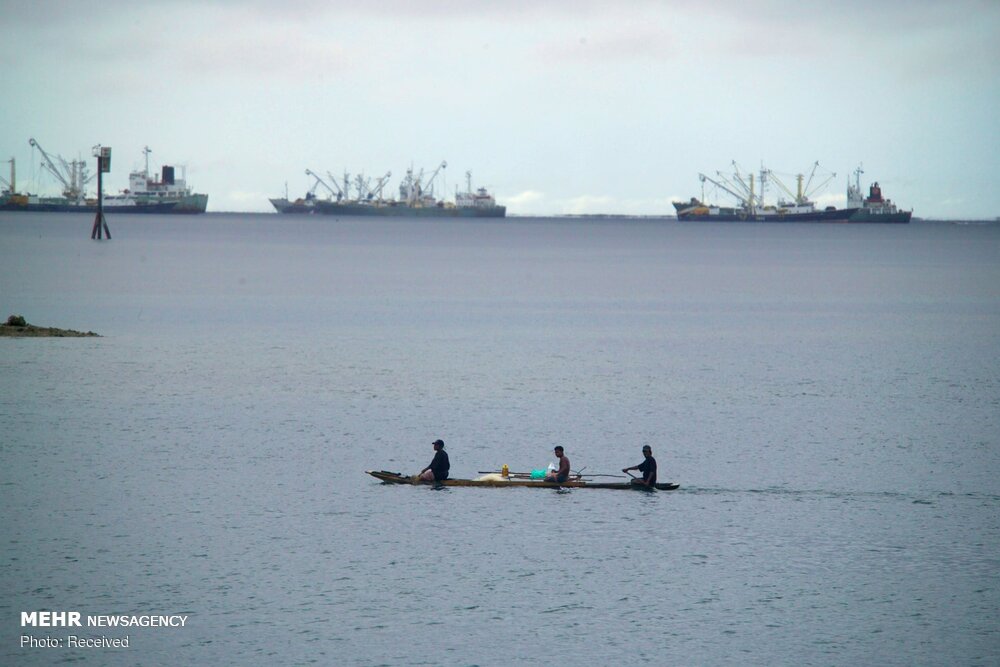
742 198
430 181
341 191
75 178
738 187
376 192
362 185
11 185
319 181
804 192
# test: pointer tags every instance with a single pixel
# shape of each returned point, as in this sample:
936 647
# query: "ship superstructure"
873 208
168 194
478 200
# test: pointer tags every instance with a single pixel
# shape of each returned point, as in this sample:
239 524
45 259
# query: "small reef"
17 327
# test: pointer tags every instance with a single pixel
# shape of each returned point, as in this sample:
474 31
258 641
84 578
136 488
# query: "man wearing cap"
439 466
562 474
647 468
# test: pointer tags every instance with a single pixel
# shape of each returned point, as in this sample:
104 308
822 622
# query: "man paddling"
562 474
647 468
439 466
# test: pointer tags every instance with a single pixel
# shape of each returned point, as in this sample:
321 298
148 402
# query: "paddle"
528 474
634 477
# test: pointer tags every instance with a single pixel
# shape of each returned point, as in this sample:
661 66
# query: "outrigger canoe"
495 481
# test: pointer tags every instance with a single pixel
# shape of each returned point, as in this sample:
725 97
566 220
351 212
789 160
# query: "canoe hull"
396 478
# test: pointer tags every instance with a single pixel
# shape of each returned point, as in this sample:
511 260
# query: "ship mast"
854 197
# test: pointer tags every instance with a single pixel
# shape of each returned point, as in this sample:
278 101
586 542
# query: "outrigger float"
514 479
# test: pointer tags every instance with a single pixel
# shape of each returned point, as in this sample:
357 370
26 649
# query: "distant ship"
416 198
144 195
873 208
750 202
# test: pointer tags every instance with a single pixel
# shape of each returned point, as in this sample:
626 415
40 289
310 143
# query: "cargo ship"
873 208
750 207
361 197
167 194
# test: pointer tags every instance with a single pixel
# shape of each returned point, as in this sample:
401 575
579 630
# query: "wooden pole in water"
103 154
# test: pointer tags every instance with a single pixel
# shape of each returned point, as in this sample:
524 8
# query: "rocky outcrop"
16 326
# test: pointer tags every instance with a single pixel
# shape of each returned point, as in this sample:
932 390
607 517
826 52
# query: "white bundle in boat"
493 477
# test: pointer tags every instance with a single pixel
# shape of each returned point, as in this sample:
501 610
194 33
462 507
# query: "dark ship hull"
695 211
398 210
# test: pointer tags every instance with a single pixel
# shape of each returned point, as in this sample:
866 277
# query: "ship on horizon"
750 206
145 194
873 208
748 190
362 197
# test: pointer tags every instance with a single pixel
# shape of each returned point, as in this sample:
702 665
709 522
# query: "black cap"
438 442
647 448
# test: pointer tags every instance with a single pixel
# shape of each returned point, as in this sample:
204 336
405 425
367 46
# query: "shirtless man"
562 474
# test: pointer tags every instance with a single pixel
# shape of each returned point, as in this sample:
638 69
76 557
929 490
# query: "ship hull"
403 211
293 207
866 215
191 205
686 212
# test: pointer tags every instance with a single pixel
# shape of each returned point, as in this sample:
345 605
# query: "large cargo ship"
145 194
416 198
873 208
750 207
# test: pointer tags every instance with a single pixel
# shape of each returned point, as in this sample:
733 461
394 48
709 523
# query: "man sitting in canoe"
562 474
647 468
438 469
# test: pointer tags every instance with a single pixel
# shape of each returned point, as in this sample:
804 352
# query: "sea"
827 397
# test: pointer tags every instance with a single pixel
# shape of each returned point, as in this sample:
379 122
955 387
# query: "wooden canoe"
396 478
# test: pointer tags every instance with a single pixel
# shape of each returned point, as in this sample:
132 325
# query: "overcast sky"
558 106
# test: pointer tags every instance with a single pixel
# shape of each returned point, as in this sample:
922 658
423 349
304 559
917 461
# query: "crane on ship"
9 186
319 181
804 193
72 175
376 192
342 192
737 187
430 181
362 186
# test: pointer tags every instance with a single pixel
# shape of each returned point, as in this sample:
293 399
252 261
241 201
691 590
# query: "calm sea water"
827 396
